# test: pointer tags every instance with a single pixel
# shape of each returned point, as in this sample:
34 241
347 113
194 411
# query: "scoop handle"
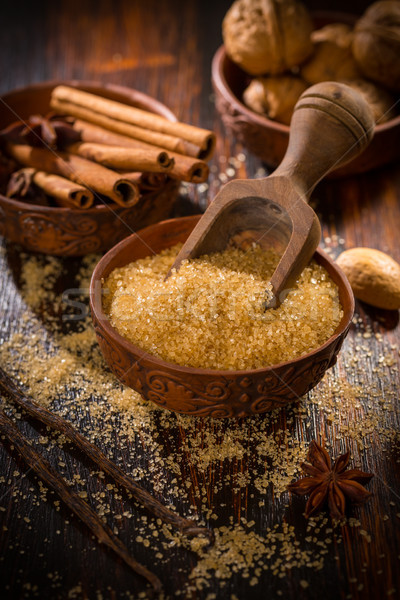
331 124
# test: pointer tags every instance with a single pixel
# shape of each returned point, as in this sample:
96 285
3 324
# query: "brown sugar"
210 314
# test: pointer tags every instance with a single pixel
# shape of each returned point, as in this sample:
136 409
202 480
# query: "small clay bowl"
206 392
268 139
74 232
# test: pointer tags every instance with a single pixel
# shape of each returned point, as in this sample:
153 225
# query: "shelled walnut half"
274 97
332 59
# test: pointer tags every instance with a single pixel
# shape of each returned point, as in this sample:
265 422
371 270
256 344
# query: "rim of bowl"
97 309
220 82
145 99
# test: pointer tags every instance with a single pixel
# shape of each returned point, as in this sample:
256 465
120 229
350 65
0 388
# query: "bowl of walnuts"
273 51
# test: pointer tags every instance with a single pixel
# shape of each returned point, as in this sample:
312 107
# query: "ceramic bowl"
74 232
206 392
268 139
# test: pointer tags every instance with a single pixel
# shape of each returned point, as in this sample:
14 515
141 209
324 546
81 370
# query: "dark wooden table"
165 49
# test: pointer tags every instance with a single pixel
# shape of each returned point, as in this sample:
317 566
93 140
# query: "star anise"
21 186
53 131
20 183
330 484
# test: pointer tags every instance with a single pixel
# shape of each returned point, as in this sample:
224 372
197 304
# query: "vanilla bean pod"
54 421
86 514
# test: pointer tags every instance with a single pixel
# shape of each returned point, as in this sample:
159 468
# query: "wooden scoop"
331 124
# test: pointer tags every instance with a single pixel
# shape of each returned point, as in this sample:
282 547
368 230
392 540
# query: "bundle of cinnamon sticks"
92 149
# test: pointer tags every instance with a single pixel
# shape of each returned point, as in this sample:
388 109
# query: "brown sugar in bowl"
268 139
74 232
206 392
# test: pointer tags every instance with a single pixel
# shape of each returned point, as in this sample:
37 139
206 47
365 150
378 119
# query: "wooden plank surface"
230 475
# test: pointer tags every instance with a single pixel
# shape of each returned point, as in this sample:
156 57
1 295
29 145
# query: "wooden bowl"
205 392
74 232
268 139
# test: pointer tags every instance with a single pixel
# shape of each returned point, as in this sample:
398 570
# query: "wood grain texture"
165 49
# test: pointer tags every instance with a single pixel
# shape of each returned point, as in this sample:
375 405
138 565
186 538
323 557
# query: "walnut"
267 36
274 97
376 45
333 58
379 99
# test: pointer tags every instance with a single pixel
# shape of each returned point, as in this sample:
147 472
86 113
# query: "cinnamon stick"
74 502
89 132
85 172
185 168
65 192
157 139
153 160
189 169
71 101
147 181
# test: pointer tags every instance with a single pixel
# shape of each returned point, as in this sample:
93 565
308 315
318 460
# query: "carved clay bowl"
268 139
74 232
205 392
